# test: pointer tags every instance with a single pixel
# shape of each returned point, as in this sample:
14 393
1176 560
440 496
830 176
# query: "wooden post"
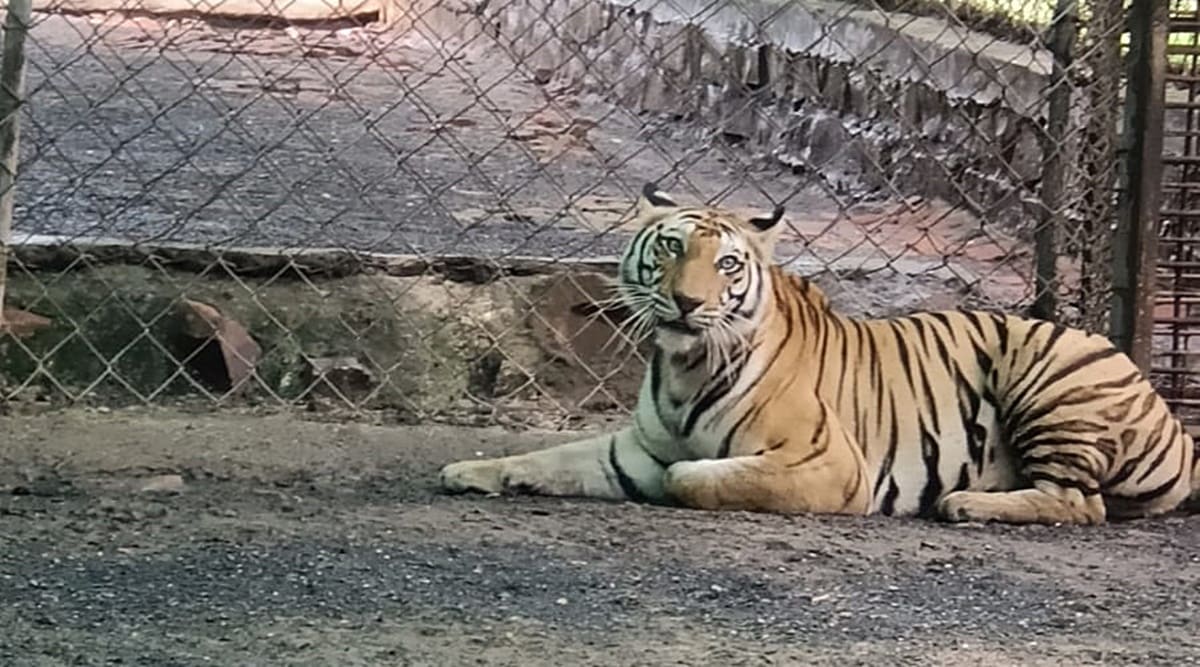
12 76
1135 243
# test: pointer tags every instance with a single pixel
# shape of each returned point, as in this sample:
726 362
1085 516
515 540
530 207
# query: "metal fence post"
1062 45
12 74
1135 242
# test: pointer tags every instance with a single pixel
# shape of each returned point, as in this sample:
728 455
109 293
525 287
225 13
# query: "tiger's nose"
686 303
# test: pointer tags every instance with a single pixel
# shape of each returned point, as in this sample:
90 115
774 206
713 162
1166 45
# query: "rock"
572 324
239 352
20 323
346 376
164 484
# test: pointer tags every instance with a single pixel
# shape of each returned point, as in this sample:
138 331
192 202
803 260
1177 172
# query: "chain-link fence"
408 207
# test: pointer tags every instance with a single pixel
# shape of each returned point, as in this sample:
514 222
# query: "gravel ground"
301 543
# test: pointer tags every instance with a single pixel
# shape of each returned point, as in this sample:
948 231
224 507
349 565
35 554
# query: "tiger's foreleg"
816 468
612 466
757 484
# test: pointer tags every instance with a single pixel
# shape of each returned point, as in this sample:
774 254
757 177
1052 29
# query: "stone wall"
893 102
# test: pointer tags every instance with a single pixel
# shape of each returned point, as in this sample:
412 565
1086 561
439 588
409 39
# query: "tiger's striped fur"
761 397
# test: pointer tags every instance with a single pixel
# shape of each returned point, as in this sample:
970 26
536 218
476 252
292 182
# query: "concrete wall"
887 101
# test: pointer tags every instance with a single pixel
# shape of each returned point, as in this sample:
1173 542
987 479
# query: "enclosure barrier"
411 209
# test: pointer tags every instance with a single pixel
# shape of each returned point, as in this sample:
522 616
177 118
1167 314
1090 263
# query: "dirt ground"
303 543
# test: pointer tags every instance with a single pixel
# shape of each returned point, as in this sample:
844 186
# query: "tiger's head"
696 275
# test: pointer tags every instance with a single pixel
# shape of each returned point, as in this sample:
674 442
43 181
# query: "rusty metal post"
1045 237
1135 242
12 75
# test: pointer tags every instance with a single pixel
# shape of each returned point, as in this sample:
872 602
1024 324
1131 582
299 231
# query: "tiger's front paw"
479 476
690 483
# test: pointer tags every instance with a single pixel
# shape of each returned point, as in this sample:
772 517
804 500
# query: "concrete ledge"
53 253
289 10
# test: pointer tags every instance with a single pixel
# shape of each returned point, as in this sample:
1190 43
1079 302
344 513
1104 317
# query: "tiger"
759 396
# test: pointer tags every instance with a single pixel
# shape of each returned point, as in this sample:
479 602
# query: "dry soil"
299 543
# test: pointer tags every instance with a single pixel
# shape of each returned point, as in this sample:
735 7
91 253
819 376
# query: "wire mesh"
406 208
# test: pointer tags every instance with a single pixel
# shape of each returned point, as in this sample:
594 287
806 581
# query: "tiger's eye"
728 263
672 245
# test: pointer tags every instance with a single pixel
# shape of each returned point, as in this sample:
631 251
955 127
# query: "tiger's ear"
766 228
652 201
769 222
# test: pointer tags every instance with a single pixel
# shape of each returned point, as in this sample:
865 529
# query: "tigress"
760 397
